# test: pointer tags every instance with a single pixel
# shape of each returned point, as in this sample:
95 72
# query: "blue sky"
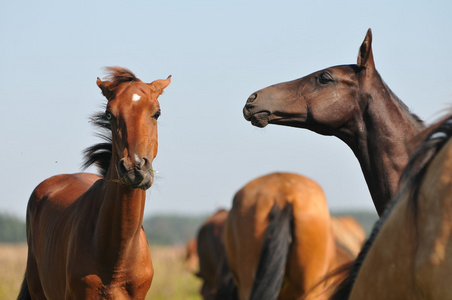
218 53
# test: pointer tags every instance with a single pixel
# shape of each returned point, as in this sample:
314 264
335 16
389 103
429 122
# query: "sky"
218 53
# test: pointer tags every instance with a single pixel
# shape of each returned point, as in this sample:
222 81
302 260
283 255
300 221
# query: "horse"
213 269
352 103
408 255
279 239
84 231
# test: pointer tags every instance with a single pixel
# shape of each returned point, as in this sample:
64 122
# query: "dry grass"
171 279
12 263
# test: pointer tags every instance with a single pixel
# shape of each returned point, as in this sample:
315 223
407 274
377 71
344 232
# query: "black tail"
273 257
24 293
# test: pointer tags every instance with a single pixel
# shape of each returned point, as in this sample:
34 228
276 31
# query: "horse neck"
382 139
120 218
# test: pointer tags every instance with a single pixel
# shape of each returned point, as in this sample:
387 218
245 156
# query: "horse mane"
100 154
118 75
433 139
405 107
400 102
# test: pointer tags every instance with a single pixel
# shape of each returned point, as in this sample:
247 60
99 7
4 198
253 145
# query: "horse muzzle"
137 176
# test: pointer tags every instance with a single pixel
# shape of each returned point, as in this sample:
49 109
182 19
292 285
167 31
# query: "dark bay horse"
409 253
213 268
84 231
352 103
279 239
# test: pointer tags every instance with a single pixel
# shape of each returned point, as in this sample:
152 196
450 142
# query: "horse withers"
84 231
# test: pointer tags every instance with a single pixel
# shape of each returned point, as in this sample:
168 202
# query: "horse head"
324 101
132 111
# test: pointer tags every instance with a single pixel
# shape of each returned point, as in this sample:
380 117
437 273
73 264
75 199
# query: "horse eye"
108 115
325 78
157 114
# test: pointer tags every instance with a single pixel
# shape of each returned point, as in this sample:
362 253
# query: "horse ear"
105 87
159 85
365 56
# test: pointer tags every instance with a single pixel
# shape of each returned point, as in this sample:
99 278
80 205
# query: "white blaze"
136 97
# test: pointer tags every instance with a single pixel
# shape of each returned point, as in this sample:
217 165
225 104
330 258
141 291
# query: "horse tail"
275 249
24 293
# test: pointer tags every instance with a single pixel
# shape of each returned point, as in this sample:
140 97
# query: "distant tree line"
160 230
12 229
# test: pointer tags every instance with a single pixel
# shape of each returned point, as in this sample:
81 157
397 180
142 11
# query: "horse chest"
107 285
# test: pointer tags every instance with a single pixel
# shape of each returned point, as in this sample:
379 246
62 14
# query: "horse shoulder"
64 187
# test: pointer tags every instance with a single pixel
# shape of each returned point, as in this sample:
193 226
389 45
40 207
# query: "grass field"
171 279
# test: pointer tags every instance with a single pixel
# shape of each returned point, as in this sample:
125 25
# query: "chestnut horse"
409 253
279 240
352 103
84 231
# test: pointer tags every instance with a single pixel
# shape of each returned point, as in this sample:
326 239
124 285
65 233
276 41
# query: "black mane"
99 154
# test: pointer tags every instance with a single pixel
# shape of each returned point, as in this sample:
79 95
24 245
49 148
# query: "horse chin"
144 186
260 119
142 182
146 183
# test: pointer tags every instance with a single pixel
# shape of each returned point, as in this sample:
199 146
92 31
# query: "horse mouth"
142 180
260 119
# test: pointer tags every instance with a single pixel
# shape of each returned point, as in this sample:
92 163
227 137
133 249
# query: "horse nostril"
122 167
252 98
145 164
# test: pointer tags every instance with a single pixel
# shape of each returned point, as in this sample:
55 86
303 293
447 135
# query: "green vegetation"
12 229
160 230
171 229
163 230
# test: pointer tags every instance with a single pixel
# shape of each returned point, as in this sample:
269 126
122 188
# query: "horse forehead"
136 93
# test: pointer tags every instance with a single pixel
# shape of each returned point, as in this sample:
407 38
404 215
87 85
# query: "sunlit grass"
171 279
12 265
